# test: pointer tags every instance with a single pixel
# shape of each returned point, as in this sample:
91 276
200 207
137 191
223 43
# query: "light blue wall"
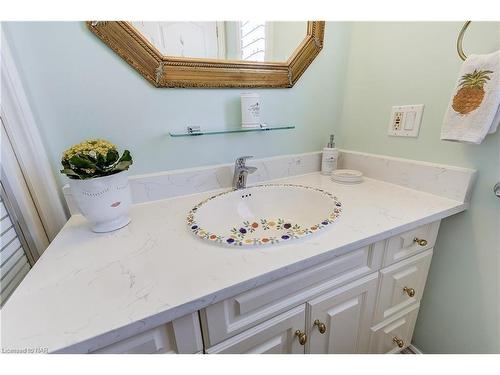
417 63
79 88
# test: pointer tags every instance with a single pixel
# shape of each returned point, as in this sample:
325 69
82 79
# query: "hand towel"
496 121
474 109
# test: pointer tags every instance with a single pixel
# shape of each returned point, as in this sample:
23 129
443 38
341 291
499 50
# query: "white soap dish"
347 176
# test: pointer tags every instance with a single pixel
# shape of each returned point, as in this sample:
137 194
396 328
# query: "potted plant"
98 178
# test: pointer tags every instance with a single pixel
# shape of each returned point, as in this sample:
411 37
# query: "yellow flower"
90 147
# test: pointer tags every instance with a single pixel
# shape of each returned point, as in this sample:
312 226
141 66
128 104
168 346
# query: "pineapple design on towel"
471 91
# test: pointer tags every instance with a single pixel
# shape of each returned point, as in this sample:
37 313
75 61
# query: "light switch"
409 121
405 120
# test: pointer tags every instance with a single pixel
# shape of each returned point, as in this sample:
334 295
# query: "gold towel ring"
460 41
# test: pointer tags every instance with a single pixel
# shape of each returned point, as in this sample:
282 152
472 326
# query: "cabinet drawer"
182 335
234 315
396 330
402 284
275 336
410 243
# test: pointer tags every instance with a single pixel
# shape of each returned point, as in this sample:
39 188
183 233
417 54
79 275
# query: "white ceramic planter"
104 201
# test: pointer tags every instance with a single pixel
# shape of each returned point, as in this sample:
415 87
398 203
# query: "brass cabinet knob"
321 326
409 291
420 241
302 337
398 341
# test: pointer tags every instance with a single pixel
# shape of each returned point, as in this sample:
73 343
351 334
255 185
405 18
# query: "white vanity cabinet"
274 336
365 301
402 284
181 336
234 315
395 333
339 321
345 310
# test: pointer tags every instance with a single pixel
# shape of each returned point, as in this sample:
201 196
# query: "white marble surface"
156 186
89 289
443 180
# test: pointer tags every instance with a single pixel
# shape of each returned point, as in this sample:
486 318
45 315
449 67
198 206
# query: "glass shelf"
227 131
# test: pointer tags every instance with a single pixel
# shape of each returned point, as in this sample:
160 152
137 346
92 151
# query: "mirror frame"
169 71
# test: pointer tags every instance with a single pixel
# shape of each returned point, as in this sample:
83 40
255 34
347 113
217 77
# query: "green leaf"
85 167
65 164
81 162
112 157
101 161
122 165
69 172
125 162
126 156
89 158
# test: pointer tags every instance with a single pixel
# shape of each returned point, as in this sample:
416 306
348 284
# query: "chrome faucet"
241 171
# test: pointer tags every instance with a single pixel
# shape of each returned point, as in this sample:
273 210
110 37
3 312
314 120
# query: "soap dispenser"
329 157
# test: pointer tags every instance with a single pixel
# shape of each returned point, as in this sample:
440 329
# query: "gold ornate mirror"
215 54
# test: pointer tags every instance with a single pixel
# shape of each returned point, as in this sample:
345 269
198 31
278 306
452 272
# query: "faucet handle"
240 161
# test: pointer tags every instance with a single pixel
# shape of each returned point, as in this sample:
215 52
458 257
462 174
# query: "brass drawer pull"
321 326
398 341
409 291
420 241
302 337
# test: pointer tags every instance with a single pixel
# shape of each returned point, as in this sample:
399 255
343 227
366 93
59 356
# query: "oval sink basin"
264 214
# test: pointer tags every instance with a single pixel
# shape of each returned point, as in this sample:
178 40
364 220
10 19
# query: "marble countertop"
89 290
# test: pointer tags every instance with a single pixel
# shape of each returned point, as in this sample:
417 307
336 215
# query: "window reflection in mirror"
226 40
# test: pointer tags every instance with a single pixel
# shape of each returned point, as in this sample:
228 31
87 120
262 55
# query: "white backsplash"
168 184
442 180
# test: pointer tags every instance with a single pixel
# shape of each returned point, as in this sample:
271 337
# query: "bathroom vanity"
365 301
153 287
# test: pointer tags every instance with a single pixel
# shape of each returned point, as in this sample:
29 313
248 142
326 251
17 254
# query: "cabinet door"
274 336
346 313
155 341
182 335
244 311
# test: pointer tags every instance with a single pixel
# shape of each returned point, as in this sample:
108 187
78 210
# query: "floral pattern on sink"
263 231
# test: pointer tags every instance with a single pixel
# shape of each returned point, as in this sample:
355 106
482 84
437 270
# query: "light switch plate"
405 120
